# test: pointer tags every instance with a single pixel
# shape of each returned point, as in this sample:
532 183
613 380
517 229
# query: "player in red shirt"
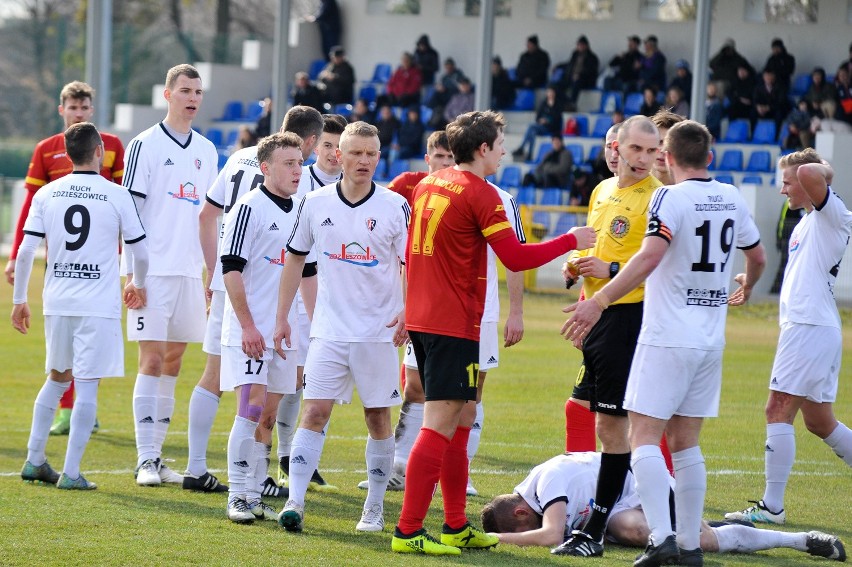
49 163
455 213
438 156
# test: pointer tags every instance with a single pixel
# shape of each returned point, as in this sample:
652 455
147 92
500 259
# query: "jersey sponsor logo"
619 227
354 253
371 224
169 162
277 261
707 297
187 192
327 222
273 226
197 163
606 406
794 245
76 271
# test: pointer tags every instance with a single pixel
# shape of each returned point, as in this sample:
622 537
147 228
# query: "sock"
743 539
667 455
840 442
454 479
82 422
256 473
240 448
407 429
690 487
67 399
475 432
286 421
613 472
44 409
203 406
652 484
579 428
379 457
144 410
165 409
304 458
421 478
780 454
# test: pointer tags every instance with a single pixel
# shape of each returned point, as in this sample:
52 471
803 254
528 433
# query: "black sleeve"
232 263
309 270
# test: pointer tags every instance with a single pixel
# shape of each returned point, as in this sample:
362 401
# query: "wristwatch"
613 269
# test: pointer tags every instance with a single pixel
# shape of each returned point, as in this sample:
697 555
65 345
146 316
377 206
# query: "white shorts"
489 349
667 381
176 311
276 373
213 333
807 362
334 369
304 338
91 347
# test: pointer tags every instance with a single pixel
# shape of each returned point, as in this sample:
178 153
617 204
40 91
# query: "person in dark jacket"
338 76
304 93
548 122
741 94
533 66
725 63
653 69
555 167
626 65
427 59
502 88
781 63
578 73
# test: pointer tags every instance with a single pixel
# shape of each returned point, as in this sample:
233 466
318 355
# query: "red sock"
667 455
454 479
421 478
579 428
67 399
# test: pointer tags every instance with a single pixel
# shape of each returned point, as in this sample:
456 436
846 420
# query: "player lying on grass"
554 499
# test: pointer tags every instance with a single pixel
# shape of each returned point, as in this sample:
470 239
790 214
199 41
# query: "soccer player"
555 495
358 230
240 175
50 162
169 165
693 228
807 362
456 214
253 253
664 119
618 211
82 215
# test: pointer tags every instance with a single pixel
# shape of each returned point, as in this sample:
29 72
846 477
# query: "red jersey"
49 163
455 214
404 184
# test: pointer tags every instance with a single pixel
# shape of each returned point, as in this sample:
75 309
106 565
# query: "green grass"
122 524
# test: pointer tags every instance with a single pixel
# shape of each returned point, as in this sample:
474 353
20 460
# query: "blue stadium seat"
381 171
526 195
564 223
343 109
382 73
610 101
216 136
737 132
513 74
602 124
223 159
732 160
801 84
542 218
425 114
764 133
511 177
785 130
633 103
316 67
233 111
582 125
760 160
754 179
725 178
542 150
576 152
231 140
551 196
715 162
594 153
524 100
491 179
397 166
254 111
368 93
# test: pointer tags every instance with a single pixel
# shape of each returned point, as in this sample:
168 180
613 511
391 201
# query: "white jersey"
82 215
315 178
359 248
687 294
491 314
171 177
256 233
240 175
817 246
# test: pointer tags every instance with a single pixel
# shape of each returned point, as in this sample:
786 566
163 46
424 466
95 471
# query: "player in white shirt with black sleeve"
82 215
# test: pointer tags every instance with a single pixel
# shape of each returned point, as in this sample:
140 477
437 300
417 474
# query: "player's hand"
577 327
10 271
585 235
253 344
281 333
742 294
207 291
592 267
134 297
400 335
21 317
513 332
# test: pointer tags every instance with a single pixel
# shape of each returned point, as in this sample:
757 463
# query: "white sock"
144 412
203 406
475 432
405 434
165 409
304 458
780 454
743 539
258 464
82 421
840 442
44 409
240 449
652 484
690 487
379 456
286 422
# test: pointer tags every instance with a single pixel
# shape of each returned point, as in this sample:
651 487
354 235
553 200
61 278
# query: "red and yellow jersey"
454 215
404 184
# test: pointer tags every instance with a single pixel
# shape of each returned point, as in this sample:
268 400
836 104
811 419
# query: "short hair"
76 90
437 139
472 129
360 129
81 139
638 122
498 515
689 144
795 159
333 124
304 121
184 69
267 146
613 130
664 118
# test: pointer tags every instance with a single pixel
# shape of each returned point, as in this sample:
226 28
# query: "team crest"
619 227
197 163
371 224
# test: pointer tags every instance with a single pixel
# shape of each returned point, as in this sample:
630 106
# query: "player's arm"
35 180
815 179
208 225
291 276
135 296
755 262
400 335
26 255
513 332
519 257
550 533
253 343
308 288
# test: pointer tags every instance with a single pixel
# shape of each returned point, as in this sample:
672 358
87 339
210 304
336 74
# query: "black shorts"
607 355
449 366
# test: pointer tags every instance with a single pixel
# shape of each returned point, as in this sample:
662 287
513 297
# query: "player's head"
75 103
438 154
610 156
636 145
509 513
790 185
329 141
687 145
359 152
183 93
280 159
663 120
307 123
477 135
82 141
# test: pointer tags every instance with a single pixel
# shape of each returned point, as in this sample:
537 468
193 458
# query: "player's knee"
820 426
314 417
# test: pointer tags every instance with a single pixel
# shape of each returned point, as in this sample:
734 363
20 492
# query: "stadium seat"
594 153
602 124
513 74
737 132
542 150
557 74
725 178
368 93
231 140
760 160
491 179
785 131
764 133
582 125
801 84
233 111
511 177
223 159
397 167
216 136
754 179
633 103
343 109
526 195
382 73
714 162
732 160
254 110
610 101
576 152
425 114
524 100
564 223
381 171
551 196
542 218
316 68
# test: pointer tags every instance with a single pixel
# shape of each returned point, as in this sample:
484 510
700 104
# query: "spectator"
548 122
799 134
338 77
502 88
555 167
410 136
461 102
245 138
330 25
650 106
683 79
617 117
262 128
714 111
427 59
819 91
388 126
578 73
725 64
653 69
403 88
770 100
677 103
844 94
741 94
847 62
781 63
533 66
445 88
304 93
361 112
828 123
625 67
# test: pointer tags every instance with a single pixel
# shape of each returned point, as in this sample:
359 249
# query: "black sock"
613 471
